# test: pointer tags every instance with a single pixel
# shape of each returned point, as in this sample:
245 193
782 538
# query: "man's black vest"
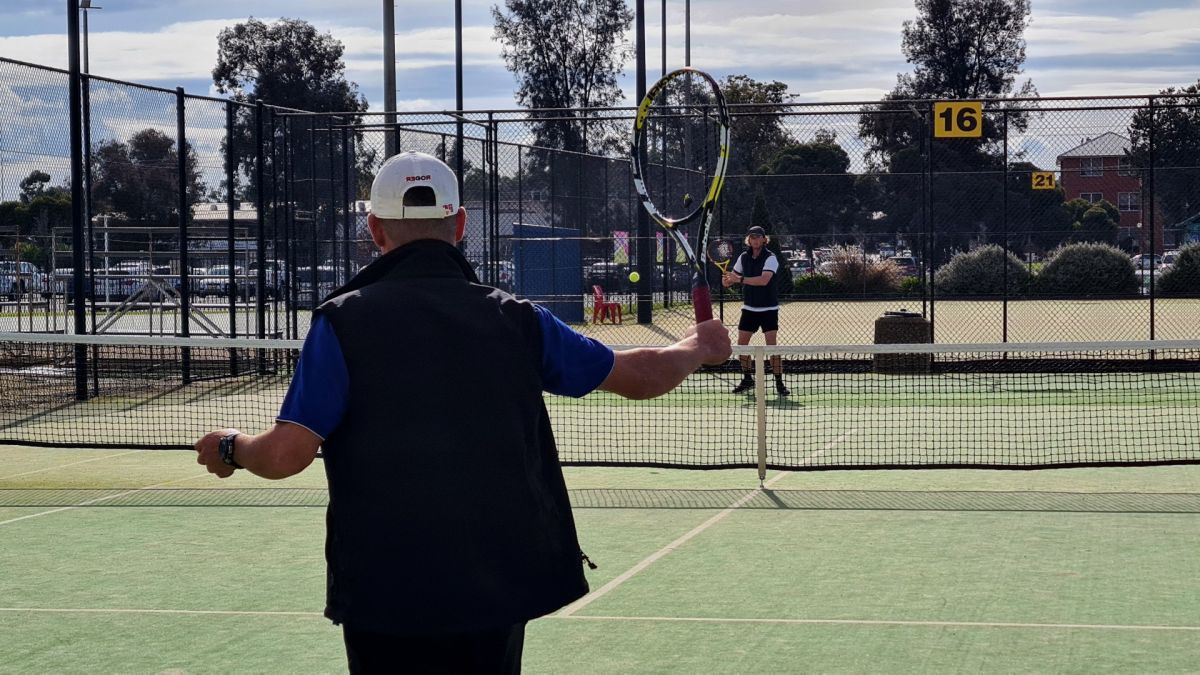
759 296
447 506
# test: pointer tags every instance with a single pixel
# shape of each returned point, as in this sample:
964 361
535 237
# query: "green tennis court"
119 561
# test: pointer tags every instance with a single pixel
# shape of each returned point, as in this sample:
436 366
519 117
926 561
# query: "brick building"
1099 169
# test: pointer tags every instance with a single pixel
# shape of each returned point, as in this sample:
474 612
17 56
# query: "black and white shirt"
759 298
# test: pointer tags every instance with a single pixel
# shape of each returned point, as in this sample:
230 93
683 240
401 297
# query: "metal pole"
389 73
687 33
184 212
260 206
1004 312
77 196
644 259
1153 162
347 200
458 93
664 38
230 238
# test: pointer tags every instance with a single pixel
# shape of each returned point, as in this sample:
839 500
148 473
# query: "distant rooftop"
1105 145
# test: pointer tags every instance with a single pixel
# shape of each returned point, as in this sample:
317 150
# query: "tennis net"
1009 406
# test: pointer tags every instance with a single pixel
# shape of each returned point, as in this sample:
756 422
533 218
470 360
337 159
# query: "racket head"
683 123
721 252
679 179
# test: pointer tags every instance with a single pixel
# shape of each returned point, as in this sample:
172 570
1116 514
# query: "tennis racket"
721 252
684 126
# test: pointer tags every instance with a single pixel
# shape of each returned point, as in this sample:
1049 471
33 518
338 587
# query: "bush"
981 273
1087 269
852 272
912 286
814 284
1182 278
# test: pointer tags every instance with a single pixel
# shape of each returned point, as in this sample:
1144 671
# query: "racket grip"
702 303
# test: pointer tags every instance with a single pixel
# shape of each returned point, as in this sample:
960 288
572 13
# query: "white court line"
588 599
676 619
63 466
99 499
184 612
884 622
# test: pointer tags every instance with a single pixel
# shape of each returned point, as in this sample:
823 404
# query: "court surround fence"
265 213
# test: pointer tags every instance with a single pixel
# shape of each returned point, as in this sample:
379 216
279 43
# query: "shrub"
814 284
1087 269
1182 278
912 286
853 272
981 272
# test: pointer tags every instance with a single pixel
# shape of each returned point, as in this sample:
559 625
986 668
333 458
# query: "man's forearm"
648 372
283 450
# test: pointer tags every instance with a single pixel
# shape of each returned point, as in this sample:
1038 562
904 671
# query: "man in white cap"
449 525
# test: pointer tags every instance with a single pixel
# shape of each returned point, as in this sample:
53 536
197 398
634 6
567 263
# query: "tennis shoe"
746 385
781 388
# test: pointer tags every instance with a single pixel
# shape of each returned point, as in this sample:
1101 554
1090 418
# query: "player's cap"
756 231
406 171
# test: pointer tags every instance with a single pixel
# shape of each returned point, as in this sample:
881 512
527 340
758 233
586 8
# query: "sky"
825 50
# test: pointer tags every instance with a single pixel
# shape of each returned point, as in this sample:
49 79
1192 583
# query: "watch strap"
225 448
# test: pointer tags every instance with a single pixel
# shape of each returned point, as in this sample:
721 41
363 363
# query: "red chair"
602 310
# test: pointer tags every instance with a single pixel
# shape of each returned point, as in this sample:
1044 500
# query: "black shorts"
752 321
487 651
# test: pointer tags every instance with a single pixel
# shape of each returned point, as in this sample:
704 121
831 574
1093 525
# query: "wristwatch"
225 448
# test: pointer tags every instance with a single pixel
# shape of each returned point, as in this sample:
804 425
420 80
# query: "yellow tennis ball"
635 277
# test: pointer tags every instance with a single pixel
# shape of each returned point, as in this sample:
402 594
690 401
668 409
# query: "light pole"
85 6
389 76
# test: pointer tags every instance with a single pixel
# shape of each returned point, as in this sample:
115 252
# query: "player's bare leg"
747 382
776 364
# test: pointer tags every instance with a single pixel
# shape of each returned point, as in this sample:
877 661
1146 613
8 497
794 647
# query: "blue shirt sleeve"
572 364
318 396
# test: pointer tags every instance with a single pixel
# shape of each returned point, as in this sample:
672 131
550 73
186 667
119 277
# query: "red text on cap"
412 179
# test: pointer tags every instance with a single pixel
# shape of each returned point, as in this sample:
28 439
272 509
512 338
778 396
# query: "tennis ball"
635 277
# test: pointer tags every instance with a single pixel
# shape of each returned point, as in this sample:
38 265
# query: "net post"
760 409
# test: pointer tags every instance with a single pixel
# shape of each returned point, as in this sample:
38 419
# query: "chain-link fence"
1023 220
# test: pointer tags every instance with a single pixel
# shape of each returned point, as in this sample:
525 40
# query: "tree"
811 188
289 64
1093 222
960 49
33 185
1174 124
138 180
757 134
564 54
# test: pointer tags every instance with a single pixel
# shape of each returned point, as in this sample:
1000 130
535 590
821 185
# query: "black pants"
497 650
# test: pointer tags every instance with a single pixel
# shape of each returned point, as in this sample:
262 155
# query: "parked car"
275 275
18 278
800 267
329 278
1146 261
907 264
1168 259
500 273
215 281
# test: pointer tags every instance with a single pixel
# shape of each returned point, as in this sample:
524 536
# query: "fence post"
347 198
927 269
1151 224
1004 221
230 238
184 212
75 96
260 206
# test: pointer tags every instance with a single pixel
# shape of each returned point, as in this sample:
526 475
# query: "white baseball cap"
408 170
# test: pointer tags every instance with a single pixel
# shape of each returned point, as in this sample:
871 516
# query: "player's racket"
684 125
721 253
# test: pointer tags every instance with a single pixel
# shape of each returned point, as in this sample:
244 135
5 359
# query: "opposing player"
756 270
